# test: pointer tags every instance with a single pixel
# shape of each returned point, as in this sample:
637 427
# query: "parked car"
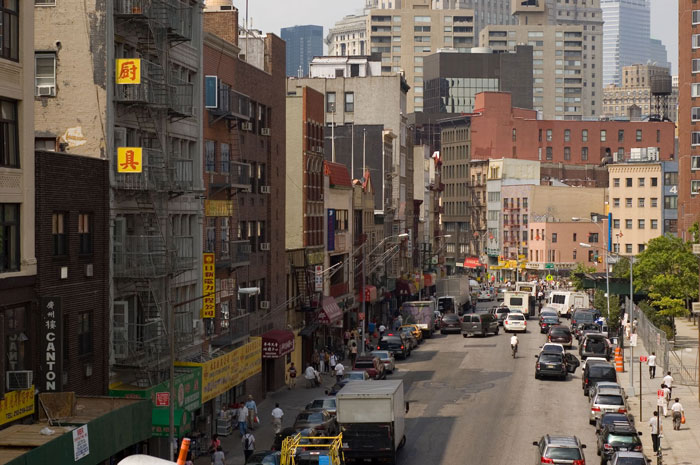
555 364
395 345
618 437
581 317
596 372
629 458
478 323
387 359
372 365
408 337
560 334
501 312
605 401
587 328
415 330
593 360
340 385
560 449
595 345
548 311
265 457
500 294
547 322
356 375
319 420
325 403
607 385
485 295
552 348
450 323
515 321
612 417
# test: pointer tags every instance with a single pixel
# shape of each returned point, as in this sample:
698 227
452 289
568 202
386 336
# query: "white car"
592 359
515 322
387 358
553 348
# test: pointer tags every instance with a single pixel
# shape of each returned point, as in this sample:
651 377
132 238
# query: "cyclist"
514 344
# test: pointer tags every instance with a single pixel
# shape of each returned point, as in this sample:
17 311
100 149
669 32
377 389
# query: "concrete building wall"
293 199
559 243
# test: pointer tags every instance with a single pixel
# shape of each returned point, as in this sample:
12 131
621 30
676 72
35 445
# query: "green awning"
160 421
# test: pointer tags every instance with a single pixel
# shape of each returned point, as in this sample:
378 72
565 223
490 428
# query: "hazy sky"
271 15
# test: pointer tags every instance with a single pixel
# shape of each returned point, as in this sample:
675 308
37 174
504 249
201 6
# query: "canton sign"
51 346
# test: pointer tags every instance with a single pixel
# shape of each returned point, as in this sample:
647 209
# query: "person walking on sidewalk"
339 371
667 397
292 376
218 458
316 360
252 412
248 445
651 361
242 417
333 360
277 415
656 429
678 413
353 351
668 381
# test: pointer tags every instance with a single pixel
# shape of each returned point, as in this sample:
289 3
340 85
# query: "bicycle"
514 349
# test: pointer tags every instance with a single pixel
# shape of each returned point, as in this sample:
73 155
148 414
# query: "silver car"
607 400
387 359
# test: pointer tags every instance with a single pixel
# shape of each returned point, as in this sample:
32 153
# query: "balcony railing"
135 9
140 343
240 175
183 253
181 98
140 256
240 253
152 176
151 91
182 175
179 20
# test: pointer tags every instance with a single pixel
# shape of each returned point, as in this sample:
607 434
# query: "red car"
561 335
372 365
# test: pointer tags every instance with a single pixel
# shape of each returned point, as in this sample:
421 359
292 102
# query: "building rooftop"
337 173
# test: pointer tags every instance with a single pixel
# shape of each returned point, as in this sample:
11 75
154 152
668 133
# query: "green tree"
667 268
601 303
576 274
694 233
621 268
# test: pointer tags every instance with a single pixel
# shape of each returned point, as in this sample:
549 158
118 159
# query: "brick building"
72 249
244 170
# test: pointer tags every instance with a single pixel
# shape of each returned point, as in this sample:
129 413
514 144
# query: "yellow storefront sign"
129 159
16 404
128 70
218 207
208 285
231 369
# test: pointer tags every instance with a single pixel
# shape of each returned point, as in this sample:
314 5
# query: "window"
628 202
44 2
654 202
628 182
654 224
225 158
341 220
695 138
45 74
695 114
584 135
567 135
640 248
671 202
671 178
654 182
330 102
628 224
640 224
567 153
616 202
696 17
85 333
628 248
695 41
616 182
603 135
349 102
584 153
85 233
640 202
554 237
9 147
639 135
593 238
549 153
514 137
210 155
549 135
694 187
9 27
616 248
620 135
641 181
59 231
9 237
616 224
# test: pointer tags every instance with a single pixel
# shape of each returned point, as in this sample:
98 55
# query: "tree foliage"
576 273
601 303
667 269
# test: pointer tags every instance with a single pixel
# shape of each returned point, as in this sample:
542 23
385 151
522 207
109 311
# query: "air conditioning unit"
247 126
46 91
264 189
264 246
264 304
89 271
265 131
19 380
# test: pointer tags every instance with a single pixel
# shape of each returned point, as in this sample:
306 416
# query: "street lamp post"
605 249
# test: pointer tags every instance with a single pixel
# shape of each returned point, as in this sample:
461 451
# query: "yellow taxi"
415 330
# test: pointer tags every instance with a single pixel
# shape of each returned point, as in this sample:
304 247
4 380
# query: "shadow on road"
420 356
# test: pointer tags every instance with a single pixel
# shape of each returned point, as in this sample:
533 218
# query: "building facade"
688 116
556 245
349 37
303 43
647 87
453 79
476 241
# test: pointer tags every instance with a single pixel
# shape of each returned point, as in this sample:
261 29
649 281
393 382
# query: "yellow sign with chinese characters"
208 285
218 208
128 70
129 159
16 404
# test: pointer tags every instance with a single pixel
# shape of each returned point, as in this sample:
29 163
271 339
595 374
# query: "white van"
566 301
519 301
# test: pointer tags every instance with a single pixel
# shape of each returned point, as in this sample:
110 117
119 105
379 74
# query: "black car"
555 365
450 323
394 344
547 322
594 373
581 317
587 328
560 334
320 420
618 437
609 418
266 457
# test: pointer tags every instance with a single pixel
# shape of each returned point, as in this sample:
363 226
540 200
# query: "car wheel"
464 335
537 376
496 333
592 423
585 392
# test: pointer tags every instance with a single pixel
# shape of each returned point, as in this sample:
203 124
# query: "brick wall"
73 185
223 24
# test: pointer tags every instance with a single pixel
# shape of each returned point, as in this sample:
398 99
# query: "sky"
271 15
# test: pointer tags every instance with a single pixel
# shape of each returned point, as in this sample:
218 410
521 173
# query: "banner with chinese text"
208 286
128 70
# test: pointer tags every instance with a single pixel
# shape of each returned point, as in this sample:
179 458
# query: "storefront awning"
429 279
370 295
472 262
277 343
160 419
330 311
405 288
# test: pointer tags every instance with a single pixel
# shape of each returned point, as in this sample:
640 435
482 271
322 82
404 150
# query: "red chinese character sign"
50 349
129 159
128 70
208 286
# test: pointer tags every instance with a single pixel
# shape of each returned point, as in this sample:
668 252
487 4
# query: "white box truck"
454 295
372 419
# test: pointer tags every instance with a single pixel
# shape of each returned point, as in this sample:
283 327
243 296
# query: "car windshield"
550 358
615 439
563 453
314 417
356 375
323 403
600 371
550 319
380 354
607 399
514 316
364 364
584 316
451 318
560 332
631 461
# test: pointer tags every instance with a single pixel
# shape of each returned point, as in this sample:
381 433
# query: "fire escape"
147 255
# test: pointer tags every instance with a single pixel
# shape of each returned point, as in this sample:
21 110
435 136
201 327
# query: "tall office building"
626 38
303 44
348 37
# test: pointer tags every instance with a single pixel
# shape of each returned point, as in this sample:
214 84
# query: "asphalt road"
472 403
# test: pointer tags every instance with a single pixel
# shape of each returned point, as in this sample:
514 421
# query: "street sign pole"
640 386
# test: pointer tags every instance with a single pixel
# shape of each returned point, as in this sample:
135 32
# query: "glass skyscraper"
303 44
626 38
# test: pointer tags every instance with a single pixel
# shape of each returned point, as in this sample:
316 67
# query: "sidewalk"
291 402
678 447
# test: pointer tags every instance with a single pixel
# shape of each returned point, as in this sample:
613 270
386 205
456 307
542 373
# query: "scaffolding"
325 446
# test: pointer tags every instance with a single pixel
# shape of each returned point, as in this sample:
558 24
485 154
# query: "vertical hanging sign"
128 71
51 346
208 286
331 229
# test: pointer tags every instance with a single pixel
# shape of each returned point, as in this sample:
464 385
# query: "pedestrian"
339 371
218 458
277 415
322 363
668 381
656 429
242 417
292 375
189 459
628 327
248 445
382 330
215 443
667 397
634 326
651 361
316 359
346 337
252 412
400 318
677 413
353 351
332 361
